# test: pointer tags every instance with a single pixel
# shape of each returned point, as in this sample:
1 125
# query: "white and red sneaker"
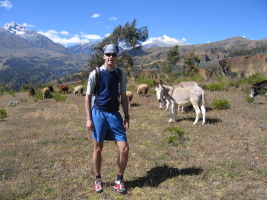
119 186
98 185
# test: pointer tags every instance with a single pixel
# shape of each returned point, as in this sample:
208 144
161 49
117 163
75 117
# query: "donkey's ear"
161 82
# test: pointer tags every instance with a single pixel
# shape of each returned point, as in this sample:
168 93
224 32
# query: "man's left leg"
122 163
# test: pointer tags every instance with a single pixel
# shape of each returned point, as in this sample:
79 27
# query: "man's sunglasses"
111 54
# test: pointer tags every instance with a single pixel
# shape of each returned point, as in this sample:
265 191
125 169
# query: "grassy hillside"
46 151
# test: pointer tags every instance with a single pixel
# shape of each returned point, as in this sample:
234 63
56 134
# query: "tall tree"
190 61
170 60
128 37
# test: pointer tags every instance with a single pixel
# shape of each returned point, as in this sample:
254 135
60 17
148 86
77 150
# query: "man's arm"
88 108
125 106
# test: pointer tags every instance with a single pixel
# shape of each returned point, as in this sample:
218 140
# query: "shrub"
3 114
177 135
59 97
235 82
220 104
215 86
38 96
254 78
148 81
131 88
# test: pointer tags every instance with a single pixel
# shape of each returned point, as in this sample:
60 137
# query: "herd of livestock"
182 94
63 89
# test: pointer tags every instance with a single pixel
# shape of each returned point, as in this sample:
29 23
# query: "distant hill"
27 56
210 54
86 49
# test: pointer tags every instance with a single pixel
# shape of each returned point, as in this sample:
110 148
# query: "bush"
220 104
254 78
148 81
235 82
3 114
38 96
59 97
177 135
215 86
132 88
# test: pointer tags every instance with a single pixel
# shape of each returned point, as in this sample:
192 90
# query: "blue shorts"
108 126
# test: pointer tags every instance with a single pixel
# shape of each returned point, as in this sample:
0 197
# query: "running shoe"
119 186
98 185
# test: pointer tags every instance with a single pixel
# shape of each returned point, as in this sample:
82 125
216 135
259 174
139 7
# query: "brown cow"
63 89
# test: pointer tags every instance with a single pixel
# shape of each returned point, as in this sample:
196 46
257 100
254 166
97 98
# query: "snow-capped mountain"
17 29
163 41
34 38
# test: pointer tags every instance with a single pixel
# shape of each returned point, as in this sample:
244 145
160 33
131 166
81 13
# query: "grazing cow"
63 88
193 95
129 94
142 90
78 90
46 93
31 92
258 86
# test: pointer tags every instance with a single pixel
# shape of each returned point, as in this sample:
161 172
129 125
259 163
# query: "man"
103 117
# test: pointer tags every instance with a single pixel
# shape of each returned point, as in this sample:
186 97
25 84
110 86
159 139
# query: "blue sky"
192 21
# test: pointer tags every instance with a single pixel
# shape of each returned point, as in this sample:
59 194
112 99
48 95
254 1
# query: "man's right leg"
98 147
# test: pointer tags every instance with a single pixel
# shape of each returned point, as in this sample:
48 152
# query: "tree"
170 60
128 37
190 60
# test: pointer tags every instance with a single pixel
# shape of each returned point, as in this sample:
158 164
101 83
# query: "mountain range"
28 56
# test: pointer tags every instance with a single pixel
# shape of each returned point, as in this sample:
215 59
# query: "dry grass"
46 151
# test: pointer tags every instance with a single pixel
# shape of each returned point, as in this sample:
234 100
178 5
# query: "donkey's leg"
197 110
173 112
203 109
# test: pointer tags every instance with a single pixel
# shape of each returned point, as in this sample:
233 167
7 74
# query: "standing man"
103 117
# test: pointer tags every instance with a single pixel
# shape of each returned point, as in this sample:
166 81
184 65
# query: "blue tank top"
108 92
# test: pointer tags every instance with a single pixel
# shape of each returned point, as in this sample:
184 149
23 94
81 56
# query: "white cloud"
112 18
64 38
95 15
27 25
166 40
91 37
6 3
184 40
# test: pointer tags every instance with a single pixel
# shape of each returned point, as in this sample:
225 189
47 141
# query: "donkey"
166 100
192 95
256 87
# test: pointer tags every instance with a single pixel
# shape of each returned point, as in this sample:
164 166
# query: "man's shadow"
157 175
